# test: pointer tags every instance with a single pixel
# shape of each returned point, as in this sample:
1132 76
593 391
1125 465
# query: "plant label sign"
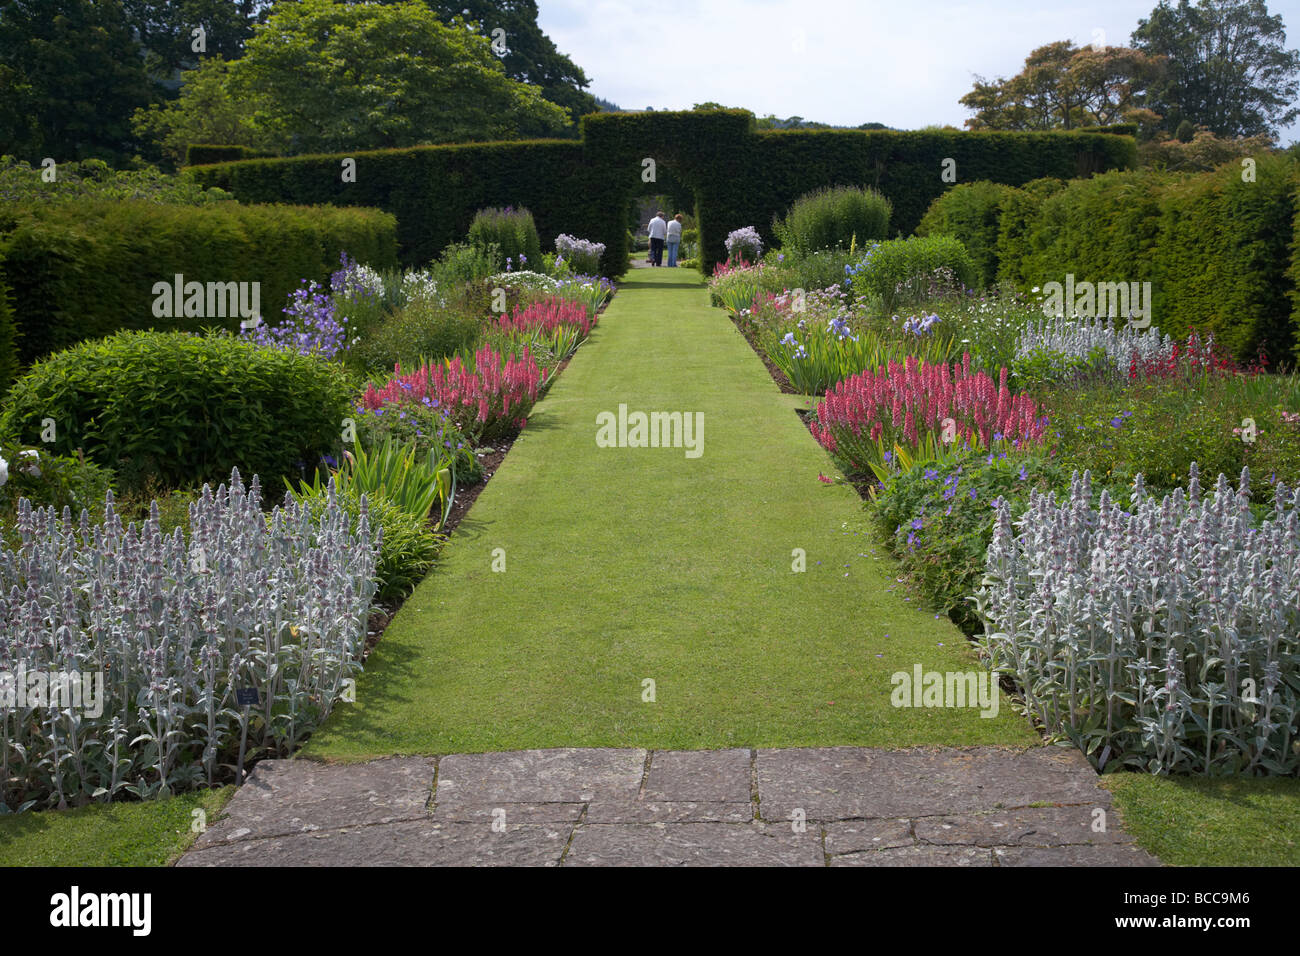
246 696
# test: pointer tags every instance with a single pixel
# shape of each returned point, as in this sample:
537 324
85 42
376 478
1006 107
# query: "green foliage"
420 330
88 268
203 154
205 112
938 520
183 408
323 75
1018 211
894 270
8 339
412 481
46 479
21 183
71 75
1159 426
511 231
408 546
739 176
830 218
428 429
1216 249
971 212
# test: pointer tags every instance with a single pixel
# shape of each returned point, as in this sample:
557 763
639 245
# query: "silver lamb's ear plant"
1166 637
277 603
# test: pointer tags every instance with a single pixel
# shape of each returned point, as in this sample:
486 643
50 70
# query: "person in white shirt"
658 231
674 239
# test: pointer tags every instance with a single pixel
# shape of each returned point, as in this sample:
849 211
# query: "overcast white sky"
904 63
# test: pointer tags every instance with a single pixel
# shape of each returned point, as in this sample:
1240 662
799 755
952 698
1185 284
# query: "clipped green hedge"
1220 253
434 191
202 154
183 409
85 269
739 176
972 213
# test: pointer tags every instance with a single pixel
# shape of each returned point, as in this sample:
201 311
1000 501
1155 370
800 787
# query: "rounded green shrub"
900 270
972 212
181 408
421 330
831 217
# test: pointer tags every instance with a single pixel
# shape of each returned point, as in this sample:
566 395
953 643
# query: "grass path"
624 564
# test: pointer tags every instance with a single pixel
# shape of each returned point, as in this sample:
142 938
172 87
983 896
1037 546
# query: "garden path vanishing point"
635 684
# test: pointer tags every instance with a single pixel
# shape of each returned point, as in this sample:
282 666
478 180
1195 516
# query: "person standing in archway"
658 232
674 239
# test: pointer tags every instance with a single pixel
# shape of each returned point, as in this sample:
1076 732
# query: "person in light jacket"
658 230
674 239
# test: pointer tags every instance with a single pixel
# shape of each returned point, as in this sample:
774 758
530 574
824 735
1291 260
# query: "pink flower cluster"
484 398
902 401
547 315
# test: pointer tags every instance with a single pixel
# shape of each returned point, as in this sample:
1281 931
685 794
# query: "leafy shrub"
488 396
421 330
48 480
223 609
464 262
88 268
897 269
427 428
971 213
833 217
8 341
95 179
184 408
865 418
1162 635
511 230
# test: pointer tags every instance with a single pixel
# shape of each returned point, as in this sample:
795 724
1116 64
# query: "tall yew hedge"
739 176
1222 253
85 269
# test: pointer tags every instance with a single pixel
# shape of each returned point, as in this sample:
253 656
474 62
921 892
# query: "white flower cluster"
1080 337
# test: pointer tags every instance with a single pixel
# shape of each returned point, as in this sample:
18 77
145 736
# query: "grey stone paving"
837 806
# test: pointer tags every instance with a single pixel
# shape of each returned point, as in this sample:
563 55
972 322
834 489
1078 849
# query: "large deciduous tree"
325 76
1063 86
71 75
1229 68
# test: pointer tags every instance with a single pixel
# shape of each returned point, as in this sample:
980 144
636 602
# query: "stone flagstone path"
837 806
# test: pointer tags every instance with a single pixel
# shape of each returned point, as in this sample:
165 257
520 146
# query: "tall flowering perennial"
174 626
744 245
1196 356
907 403
312 328
546 315
582 255
1079 338
1164 635
486 398
356 282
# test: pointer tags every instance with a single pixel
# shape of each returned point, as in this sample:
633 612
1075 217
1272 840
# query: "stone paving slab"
841 806
571 775
843 783
695 844
284 797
